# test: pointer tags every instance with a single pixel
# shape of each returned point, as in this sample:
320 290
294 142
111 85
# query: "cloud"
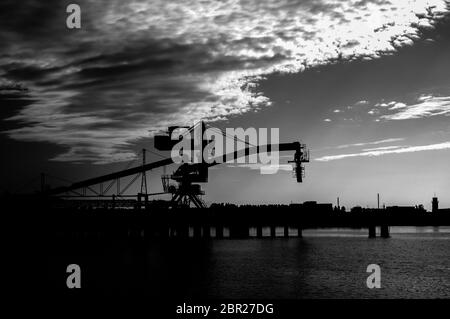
136 67
398 106
425 106
389 140
382 148
380 152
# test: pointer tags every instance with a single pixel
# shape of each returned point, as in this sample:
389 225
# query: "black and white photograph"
226 158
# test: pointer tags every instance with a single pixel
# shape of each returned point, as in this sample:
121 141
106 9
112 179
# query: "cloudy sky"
365 84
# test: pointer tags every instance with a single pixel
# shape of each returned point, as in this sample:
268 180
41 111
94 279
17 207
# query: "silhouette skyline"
373 106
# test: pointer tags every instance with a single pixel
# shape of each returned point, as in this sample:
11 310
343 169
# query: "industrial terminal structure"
183 184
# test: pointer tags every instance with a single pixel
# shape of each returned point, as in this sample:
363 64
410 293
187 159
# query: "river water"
325 263
328 263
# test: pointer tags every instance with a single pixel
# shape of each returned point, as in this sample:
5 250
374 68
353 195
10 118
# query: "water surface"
325 263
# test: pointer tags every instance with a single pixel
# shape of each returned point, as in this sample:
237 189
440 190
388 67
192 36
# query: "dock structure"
384 231
216 222
233 232
372 231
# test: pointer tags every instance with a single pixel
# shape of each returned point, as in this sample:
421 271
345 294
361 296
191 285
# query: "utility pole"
378 200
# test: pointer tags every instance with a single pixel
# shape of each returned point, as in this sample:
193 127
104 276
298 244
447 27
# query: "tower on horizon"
435 205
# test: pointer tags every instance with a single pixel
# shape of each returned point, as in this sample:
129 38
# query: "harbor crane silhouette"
187 177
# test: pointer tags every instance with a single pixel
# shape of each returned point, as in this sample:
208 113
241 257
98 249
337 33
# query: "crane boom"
282 147
109 177
294 146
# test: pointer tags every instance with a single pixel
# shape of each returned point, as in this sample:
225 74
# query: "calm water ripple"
415 263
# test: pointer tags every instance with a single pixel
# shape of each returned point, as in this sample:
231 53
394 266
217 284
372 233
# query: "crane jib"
293 146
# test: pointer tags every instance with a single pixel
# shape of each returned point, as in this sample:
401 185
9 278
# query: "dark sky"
365 84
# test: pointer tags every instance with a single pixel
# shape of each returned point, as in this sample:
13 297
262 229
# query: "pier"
217 222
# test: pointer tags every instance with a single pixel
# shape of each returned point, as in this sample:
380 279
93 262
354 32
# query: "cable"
229 136
130 163
154 153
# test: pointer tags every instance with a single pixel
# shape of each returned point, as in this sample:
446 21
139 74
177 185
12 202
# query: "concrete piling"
372 231
286 231
259 233
384 231
272 231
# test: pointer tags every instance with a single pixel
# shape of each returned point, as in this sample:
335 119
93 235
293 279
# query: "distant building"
314 206
435 205
356 210
310 204
402 209
325 207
